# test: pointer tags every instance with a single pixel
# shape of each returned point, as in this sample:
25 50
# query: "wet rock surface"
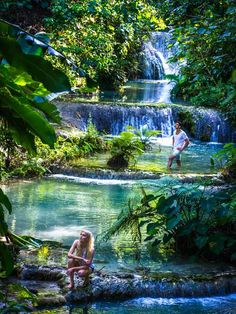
102 173
49 284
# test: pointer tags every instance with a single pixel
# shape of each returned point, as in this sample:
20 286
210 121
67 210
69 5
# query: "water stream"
213 305
58 208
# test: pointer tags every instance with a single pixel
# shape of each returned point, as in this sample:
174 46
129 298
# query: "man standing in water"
180 142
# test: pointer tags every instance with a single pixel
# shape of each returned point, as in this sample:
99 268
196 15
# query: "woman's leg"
85 273
71 265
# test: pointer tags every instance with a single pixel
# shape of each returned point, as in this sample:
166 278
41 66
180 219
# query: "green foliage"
124 150
4 204
197 219
104 37
227 155
226 159
22 93
17 299
144 135
30 168
67 149
28 4
91 142
205 34
23 107
6 259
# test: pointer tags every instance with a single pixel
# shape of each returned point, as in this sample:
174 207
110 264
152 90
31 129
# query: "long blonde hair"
90 242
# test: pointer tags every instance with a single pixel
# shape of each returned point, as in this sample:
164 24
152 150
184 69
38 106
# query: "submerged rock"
71 173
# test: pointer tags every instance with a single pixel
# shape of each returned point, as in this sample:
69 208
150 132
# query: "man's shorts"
176 153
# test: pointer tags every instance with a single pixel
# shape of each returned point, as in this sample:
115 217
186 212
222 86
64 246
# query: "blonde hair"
90 243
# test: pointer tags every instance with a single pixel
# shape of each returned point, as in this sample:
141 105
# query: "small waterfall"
134 285
156 55
209 124
156 66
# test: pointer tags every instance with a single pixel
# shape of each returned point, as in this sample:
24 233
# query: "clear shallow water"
138 91
147 91
213 305
58 210
54 209
195 159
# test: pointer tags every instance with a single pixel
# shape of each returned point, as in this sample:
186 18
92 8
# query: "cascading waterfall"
209 124
155 57
156 66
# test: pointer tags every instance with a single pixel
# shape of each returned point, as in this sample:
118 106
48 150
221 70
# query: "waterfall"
209 124
155 57
155 66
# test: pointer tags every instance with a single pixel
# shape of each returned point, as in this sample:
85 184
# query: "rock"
51 300
49 283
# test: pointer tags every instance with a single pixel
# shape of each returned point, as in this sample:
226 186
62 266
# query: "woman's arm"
72 250
90 259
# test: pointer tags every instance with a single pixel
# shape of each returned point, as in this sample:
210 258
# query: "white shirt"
179 139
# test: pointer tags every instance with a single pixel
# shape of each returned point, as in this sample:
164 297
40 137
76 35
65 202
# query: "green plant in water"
226 158
91 142
144 135
197 219
30 168
124 149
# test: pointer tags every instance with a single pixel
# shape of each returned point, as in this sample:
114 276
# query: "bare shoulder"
75 243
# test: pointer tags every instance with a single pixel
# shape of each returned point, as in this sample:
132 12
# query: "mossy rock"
118 162
205 137
187 121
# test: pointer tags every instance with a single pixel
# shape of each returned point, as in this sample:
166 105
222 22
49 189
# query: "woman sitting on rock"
80 258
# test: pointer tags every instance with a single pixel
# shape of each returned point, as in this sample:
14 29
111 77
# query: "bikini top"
81 252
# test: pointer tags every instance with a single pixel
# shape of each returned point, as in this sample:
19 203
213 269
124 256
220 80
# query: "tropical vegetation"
124 149
104 39
25 81
204 33
195 220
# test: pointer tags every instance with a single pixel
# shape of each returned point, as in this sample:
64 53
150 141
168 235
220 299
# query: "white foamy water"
92 180
206 302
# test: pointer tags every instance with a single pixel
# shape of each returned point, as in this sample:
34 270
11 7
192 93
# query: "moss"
176 277
205 137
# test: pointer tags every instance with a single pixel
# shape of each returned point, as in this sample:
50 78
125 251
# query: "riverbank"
49 285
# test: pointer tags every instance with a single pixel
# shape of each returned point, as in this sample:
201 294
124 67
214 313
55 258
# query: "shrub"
124 150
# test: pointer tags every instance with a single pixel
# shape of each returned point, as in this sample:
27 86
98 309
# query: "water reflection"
59 210
146 91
